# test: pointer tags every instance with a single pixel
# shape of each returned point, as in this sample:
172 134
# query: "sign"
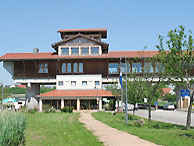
185 93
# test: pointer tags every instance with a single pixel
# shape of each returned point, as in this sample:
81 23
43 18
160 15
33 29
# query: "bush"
67 109
12 127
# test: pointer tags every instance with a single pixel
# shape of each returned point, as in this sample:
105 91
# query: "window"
73 83
159 67
43 68
60 83
64 70
113 68
80 67
85 50
137 67
75 51
64 51
123 68
84 83
148 68
68 67
75 67
94 50
97 83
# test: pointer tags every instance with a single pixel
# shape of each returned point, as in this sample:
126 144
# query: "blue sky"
131 25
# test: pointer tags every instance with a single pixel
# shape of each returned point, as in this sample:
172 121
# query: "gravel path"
111 136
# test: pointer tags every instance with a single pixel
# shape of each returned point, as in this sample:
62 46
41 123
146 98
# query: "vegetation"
67 109
58 129
169 97
17 90
179 50
12 128
156 132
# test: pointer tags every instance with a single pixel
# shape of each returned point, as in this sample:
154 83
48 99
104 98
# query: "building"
80 65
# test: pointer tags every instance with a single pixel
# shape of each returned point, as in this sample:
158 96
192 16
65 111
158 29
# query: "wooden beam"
24 68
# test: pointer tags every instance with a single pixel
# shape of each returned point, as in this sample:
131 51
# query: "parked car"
169 106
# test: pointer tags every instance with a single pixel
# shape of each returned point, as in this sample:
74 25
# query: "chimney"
35 50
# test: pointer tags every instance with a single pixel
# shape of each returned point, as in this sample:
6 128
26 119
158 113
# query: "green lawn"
156 132
58 129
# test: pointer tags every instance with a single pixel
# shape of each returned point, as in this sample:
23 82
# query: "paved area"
111 136
174 117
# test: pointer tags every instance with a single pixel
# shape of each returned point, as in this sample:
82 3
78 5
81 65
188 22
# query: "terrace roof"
77 93
51 55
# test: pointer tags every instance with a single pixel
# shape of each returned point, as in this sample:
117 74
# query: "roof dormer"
81 44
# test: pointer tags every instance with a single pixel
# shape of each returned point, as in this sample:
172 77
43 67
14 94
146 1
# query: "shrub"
67 109
12 127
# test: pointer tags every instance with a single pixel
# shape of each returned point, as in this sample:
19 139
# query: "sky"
131 24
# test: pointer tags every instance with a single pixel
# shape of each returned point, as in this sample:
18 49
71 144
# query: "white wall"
79 78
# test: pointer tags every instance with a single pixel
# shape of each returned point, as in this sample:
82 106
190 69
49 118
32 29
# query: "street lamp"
126 108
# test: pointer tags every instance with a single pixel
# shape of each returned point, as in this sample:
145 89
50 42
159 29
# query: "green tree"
135 89
116 91
178 57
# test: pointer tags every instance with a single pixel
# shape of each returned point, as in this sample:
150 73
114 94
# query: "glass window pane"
40 70
68 67
73 83
45 70
85 50
75 67
80 67
137 67
123 67
74 51
64 67
95 50
113 68
65 51
84 83
60 83
148 67
97 83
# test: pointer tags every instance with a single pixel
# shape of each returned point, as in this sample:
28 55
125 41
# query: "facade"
80 65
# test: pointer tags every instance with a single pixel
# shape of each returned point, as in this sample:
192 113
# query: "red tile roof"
50 55
81 30
166 90
21 86
77 93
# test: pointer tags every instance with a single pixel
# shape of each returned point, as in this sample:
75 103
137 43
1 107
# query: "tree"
178 57
135 89
115 91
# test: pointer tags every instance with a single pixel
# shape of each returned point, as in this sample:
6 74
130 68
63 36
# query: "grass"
157 132
57 129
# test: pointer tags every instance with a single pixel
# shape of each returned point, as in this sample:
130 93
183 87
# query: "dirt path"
111 136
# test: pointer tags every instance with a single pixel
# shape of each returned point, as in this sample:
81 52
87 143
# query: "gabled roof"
55 45
50 55
77 93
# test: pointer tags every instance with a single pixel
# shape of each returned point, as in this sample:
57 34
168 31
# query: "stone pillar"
78 104
40 105
100 103
32 90
62 103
